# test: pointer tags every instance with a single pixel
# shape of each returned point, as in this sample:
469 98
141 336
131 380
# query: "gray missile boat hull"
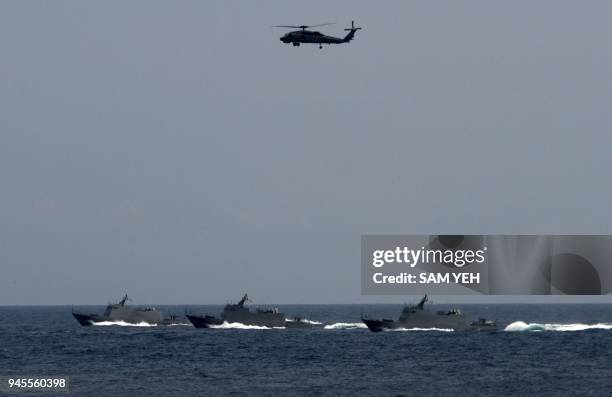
419 317
120 312
238 313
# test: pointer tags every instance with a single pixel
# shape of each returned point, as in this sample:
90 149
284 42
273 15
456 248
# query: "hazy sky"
180 152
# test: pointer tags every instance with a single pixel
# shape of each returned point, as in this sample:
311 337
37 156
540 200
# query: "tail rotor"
352 28
351 32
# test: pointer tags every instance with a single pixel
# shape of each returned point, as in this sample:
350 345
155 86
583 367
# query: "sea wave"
345 326
227 325
124 324
522 326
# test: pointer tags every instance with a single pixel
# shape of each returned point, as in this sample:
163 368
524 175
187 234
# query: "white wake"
227 325
345 326
303 320
424 329
124 324
522 326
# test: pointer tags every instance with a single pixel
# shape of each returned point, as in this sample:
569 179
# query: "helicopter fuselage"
298 37
307 36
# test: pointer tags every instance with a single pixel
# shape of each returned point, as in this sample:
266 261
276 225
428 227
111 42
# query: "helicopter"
298 37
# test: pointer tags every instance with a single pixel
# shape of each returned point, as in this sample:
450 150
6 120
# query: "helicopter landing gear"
296 44
320 46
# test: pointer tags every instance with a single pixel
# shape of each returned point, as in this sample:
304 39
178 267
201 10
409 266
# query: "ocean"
540 349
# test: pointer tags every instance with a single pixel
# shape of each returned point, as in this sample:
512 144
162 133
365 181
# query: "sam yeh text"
427 278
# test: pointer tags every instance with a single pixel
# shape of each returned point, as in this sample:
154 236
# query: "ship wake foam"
518 326
123 324
345 326
227 325
424 329
304 320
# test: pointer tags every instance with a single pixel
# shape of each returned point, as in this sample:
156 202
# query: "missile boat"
420 317
239 313
121 312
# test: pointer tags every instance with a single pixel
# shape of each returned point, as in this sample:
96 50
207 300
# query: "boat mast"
422 302
244 299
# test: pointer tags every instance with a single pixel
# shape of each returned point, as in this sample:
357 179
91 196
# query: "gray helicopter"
298 37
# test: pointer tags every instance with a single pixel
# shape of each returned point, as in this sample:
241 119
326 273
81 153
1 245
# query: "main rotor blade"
303 26
322 24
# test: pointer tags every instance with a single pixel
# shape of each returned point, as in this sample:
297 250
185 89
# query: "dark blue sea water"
181 360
